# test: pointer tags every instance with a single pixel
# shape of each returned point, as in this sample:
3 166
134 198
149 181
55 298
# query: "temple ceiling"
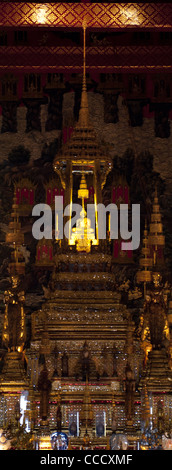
99 15
125 37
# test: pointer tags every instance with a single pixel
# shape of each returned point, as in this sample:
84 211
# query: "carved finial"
84 54
84 112
156 237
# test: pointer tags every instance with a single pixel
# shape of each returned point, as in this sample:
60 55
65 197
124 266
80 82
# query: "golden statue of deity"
153 323
14 333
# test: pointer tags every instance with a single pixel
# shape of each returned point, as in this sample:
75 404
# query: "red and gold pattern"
25 196
99 58
96 15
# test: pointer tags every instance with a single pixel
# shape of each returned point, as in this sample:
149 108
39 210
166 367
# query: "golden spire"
156 237
83 191
146 262
14 234
16 238
83 146
84 111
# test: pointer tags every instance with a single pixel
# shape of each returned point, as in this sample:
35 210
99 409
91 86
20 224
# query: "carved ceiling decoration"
102 59
97 15
103 55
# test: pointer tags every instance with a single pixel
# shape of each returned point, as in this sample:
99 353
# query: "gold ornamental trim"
96 15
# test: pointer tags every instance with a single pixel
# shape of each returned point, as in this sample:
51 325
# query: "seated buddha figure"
83 234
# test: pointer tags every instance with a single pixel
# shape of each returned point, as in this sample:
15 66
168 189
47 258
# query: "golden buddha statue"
83 235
